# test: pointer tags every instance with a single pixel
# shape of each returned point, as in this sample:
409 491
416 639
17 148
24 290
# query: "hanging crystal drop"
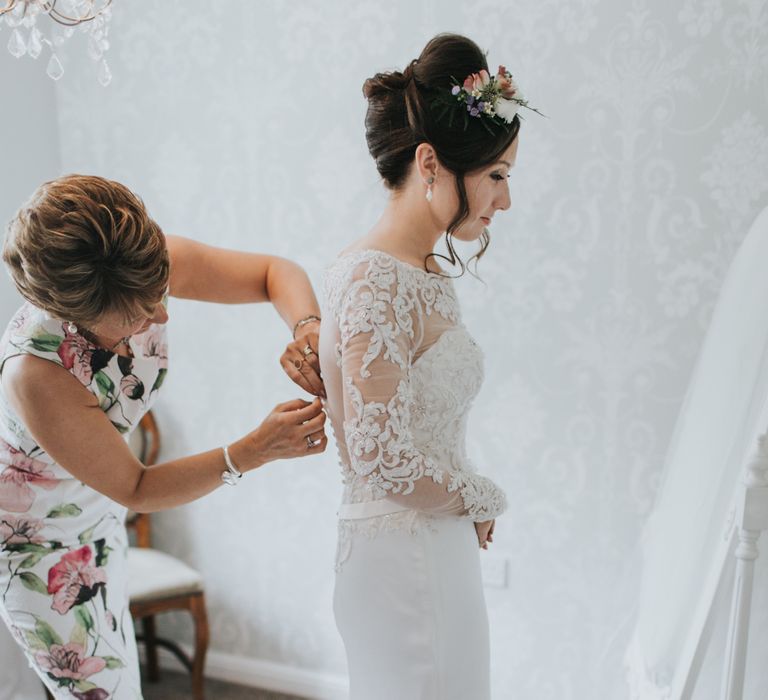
94 50
16 45
34 45
55 70
105 75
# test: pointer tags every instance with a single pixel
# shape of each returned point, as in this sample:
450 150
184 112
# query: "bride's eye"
498 177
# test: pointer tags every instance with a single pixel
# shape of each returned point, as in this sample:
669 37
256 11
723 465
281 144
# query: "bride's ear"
426 162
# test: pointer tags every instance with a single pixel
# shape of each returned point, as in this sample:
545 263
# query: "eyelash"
498 177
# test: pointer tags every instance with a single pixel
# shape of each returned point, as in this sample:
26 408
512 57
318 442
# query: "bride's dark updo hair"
404 110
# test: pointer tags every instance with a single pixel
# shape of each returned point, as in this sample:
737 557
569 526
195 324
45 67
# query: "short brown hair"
82 246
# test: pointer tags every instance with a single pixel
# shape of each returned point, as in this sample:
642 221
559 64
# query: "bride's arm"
378 327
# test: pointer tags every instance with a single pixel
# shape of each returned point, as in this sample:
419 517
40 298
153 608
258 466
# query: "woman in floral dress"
80 363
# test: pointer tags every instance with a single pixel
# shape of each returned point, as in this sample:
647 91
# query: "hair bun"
383 83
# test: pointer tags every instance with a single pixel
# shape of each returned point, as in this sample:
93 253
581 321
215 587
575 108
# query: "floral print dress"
62 544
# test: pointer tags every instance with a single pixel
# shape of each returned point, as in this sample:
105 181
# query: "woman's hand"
485 532
293 429
301 362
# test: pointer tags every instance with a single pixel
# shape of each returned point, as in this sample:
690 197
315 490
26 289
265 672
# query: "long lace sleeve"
382 323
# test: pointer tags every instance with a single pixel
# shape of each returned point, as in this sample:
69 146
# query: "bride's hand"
485 532
302 364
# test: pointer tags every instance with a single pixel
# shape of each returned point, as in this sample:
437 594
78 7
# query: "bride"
401 371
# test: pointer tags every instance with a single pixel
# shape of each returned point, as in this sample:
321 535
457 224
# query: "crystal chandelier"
92 16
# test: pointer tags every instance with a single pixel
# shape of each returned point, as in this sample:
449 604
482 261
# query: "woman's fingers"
313 425
292 405
303 372
308 412
289 367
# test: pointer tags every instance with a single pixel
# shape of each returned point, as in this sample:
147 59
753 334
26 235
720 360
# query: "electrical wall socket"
494 569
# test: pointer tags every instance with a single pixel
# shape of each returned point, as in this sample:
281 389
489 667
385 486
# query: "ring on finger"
307 351
298 364
310 442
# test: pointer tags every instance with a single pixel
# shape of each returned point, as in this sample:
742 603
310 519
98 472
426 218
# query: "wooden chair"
158 582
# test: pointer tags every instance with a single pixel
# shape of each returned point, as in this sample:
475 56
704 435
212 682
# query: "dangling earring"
71 328
430 181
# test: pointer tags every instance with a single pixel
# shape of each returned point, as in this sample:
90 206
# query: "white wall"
241 124
29 148
29 155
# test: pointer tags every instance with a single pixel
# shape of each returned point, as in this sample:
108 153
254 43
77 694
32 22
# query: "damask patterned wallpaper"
241 125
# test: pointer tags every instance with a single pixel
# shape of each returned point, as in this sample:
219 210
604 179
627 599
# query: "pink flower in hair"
477 81
507 86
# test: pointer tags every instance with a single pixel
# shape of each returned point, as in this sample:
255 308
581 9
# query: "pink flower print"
20 530
69 661
132 386
16 496
75 354
153 344
74 580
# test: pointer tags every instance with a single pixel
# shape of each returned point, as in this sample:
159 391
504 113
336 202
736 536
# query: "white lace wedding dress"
400 372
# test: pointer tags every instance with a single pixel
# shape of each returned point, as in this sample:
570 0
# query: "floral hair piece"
491 99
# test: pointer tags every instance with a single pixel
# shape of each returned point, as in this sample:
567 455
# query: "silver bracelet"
232 475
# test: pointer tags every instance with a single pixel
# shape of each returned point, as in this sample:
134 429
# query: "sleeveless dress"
62 544
401 372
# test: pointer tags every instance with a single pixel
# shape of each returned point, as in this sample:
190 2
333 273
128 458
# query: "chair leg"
150 645
197 609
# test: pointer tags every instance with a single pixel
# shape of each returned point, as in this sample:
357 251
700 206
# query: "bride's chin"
469 235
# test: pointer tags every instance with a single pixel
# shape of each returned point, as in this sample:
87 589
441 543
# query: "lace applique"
482 498
385 453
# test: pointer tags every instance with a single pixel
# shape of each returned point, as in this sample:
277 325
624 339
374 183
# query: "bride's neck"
405 229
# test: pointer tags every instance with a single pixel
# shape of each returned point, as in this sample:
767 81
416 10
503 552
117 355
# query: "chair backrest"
145 444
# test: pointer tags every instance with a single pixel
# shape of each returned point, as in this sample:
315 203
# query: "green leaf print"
79 636
46 633
31 560
87 535
34 641
105 384
26 548
160 378
69 510
83 617
46 342
122 429
113 662
102 552
85 686
33 582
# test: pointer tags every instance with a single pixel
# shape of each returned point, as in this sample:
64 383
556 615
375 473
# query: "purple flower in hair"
455 90
474 111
